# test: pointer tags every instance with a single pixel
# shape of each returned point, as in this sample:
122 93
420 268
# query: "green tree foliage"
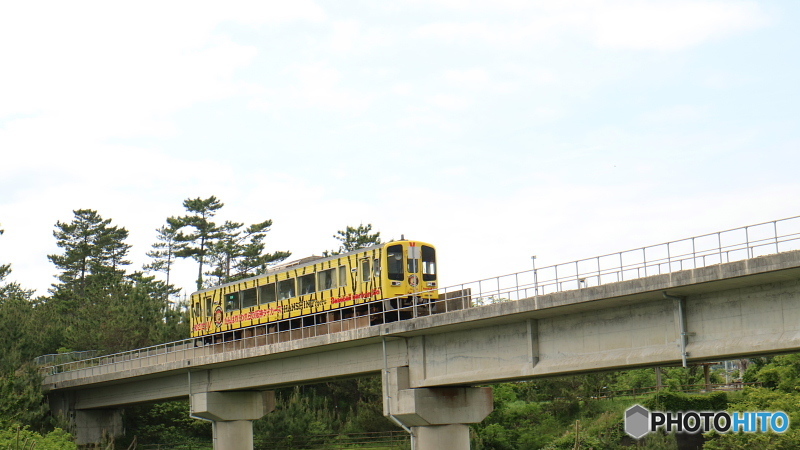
92 248
298 415
22 438
354 238
97 306
20 341
232 252
761 399
164 251
199 243
18 321
779 372
23 402
239 253
165 423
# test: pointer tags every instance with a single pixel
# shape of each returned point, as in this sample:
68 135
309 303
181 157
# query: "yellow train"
378 284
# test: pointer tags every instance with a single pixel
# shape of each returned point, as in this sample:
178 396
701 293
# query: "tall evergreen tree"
356 238
199 243
91 247
164 251
240 253
97 306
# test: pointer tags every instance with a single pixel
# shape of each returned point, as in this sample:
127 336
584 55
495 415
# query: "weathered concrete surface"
436 417
737 309
97 425
232 415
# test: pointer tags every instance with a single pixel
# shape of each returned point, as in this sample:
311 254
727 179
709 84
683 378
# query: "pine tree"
206 233
232 252
92 247
356 238
240 253
164 251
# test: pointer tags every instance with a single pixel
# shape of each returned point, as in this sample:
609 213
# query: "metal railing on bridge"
691 253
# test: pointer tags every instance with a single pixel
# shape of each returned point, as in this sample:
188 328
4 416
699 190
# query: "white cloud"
475 77
317 85
676 114
671 25
451 102
609 24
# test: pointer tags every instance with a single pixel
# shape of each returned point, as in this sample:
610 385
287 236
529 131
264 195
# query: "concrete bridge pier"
90 426
232 414
437 417
93 426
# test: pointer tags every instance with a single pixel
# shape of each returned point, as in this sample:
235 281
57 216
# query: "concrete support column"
94 426
437 417
453 436
232 414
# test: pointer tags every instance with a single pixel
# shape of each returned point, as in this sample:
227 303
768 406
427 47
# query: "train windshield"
394 268
428 263
413 258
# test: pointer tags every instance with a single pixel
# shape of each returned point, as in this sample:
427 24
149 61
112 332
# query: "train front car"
409 280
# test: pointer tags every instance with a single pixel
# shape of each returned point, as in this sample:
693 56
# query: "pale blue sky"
495 130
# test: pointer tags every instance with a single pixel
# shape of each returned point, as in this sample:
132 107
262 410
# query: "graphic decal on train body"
218 316
349 297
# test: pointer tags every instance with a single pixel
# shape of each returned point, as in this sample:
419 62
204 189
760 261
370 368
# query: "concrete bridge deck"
742 308
720 310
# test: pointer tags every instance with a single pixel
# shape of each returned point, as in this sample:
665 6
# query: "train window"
326 279
307 284
285 289
365 273
428 263
267 293
249 298
232 301
342 276
208 310
394 267
413 259
197 310
376 268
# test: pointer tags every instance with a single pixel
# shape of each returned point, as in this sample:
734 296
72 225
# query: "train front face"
409 273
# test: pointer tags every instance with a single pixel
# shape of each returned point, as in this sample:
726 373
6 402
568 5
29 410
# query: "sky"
495 130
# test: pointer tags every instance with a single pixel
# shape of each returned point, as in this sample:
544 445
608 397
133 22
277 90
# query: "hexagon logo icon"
637 421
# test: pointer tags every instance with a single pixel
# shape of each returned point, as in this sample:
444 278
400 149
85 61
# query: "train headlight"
431 284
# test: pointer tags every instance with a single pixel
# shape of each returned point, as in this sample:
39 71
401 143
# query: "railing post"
599 273
558 287
669 259
644 259
775 229
747 241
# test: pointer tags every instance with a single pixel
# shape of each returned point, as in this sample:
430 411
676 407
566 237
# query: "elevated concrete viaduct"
431 364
